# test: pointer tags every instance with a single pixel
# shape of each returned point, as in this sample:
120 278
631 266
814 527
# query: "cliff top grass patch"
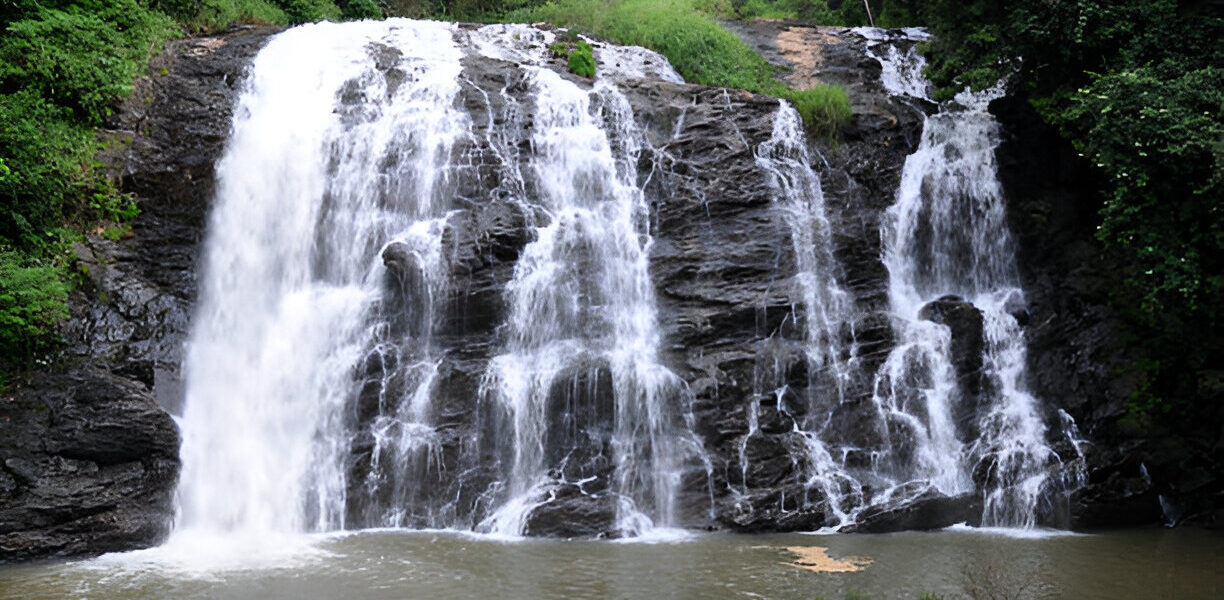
700 49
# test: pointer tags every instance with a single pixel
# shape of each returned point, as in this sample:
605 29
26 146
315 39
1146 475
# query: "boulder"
570 512
88 464
965 322
929 510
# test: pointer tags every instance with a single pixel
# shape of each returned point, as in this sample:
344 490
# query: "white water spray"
340 146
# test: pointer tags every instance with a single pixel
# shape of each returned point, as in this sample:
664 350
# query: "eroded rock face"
89 463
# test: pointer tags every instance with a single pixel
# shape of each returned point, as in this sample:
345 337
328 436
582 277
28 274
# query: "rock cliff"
88 451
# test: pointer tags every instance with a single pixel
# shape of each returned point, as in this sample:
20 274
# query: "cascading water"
948 250
952 415
579 364
314 360
310 190
826 309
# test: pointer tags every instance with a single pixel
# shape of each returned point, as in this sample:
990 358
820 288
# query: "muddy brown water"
1148 563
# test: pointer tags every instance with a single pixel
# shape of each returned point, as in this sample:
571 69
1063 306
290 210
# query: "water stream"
314 361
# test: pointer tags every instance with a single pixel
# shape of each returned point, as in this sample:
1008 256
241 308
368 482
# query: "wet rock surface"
89 463
924 511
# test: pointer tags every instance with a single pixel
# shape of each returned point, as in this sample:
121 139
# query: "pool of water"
1149 563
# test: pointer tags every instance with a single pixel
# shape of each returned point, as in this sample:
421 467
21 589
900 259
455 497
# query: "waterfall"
333 382
291 284
957 412
315 355
826 308
579 368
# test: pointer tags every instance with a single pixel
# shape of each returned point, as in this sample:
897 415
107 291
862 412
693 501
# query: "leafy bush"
579 57
108 204
582 60
1160 141
216 15
45 153
307 11
77 60
32 301
352 10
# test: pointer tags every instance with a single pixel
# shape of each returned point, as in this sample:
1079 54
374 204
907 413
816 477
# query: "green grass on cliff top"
698 47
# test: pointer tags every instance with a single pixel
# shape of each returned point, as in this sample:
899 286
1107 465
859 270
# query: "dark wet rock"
928 510
572 512
88 463
964 321
781 508
1117 494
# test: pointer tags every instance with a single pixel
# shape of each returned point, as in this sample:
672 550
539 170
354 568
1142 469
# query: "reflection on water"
1184 564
